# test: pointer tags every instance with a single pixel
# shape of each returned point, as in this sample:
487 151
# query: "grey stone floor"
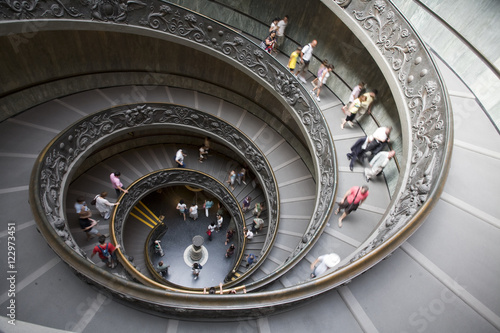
180 232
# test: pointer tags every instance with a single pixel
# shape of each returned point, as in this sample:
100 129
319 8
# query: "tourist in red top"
351 201
106 252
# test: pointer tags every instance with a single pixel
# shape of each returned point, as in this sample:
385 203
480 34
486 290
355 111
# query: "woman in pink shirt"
117 184
351 201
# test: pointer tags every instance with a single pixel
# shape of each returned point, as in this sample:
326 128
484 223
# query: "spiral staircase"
443 278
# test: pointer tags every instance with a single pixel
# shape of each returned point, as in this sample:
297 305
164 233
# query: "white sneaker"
302 79
318 99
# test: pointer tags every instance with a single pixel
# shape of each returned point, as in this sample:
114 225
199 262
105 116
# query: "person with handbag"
269 43
351 201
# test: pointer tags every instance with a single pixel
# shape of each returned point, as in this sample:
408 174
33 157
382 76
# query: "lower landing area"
179 236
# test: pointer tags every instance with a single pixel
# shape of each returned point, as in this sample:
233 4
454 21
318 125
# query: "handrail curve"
171 177
74 144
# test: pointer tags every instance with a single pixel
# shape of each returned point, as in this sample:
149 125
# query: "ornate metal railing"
427 114
67 150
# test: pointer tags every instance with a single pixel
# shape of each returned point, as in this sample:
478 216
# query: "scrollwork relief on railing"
424 96
72 144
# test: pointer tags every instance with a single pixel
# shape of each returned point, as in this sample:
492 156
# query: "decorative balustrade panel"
72 145
427 102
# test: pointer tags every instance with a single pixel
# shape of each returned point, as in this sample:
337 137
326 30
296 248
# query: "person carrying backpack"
106 252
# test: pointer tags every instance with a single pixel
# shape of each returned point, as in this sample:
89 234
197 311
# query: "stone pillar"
195 253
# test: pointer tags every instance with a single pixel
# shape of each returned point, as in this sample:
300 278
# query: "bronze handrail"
158 179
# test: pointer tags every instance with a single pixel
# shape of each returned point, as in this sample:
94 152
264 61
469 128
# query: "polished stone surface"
180 235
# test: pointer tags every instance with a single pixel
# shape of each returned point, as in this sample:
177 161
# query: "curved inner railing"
171 177
418 90
72 146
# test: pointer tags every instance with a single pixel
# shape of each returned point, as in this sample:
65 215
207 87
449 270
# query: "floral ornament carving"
174 22
58 9
113 10
30 9
427 111
72 144
22 9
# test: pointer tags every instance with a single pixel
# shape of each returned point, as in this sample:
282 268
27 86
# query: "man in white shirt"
325 262
179 158
375 142
281 30
378 163
248 234
305 58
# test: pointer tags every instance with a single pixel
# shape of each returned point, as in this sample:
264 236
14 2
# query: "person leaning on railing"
116 182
